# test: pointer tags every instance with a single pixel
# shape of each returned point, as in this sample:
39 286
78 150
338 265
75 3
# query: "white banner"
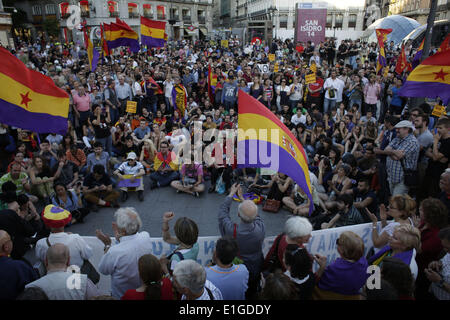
322 242
263 68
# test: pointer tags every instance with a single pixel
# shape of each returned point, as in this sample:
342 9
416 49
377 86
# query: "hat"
55 217
405 124
131 156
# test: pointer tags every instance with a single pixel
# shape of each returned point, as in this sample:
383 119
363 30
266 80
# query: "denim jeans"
163 179
106 143
328 104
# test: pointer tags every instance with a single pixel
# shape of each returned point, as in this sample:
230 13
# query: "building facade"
187 19
5 27
415 9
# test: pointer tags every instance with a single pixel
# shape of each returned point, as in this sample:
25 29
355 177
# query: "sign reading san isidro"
310 25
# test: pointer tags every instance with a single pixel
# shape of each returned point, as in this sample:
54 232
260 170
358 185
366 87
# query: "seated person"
66 172
97 157
364 198
191 179
129 146
77 157
98 189
69 200
46 152
347 214
141 133
19 178
132 170
148 153
165 166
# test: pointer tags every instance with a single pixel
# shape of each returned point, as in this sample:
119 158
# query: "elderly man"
189 279
60 283
402 153
249 233
297 230
124 93
14 274
121 256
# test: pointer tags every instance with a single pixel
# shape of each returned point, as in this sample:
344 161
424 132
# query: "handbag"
411 177
272 205
220 185
87 268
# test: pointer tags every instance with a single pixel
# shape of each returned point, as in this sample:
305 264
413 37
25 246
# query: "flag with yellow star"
430 79
30 100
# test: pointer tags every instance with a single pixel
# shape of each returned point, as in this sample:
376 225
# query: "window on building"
329 21
84 6
186 14
36 10
50 9
133 11
161 12
201 16
339 20
148 11
174 14
283 22
352 21
113 9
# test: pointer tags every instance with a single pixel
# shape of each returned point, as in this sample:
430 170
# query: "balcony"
161 17
85 14
202 20
187 19
148 14
133 15
114 14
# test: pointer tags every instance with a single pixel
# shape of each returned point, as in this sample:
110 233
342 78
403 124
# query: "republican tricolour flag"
418 55
30 100
92 53
265 142
212 82
120 34
153 33
381 37
429 79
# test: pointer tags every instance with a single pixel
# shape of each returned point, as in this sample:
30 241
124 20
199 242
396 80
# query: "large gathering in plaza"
339 134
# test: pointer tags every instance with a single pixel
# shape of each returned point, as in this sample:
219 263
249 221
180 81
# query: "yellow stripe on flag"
16 93
152 32
114 35
429 73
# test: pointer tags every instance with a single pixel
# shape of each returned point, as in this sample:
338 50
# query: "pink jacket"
372 93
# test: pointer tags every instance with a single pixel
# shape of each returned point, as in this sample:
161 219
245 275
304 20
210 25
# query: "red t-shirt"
317 85
166 292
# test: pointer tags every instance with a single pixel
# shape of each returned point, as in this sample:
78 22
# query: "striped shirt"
410 146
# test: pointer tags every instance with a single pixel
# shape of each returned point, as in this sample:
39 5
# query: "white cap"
131 156
405 124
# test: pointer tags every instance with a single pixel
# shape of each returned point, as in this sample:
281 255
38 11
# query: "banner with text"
310 25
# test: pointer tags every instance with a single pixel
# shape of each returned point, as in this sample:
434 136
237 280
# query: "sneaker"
196 194
124 196
141 195
211 189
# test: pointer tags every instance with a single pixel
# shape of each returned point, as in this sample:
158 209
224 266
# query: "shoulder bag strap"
211 296
48 242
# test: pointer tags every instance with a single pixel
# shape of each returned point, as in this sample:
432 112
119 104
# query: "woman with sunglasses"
401 208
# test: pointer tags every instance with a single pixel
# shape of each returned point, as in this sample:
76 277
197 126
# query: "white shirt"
297 93
168 86
79 249
127 169
121 262
205 296
337 84
296 119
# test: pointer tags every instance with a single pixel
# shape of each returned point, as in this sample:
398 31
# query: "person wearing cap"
135 170
403 148
56 218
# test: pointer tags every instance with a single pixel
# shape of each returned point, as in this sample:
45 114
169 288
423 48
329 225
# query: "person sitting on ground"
97 157
120 258
189 279
347 213
42 179
344 278
134 170
191 179
186 235
148 154
14 274
98 189
231 279
70 200
299 269
154 285
141 133
54 283
166 167
66 172
77 157
20 180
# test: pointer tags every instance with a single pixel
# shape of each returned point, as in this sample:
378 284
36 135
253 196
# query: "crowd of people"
372 156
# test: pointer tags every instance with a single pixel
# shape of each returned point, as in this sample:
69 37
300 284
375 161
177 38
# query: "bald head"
5 243
58 256
248 211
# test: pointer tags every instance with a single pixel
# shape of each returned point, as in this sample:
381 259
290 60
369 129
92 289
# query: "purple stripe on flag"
95 58
422 89
152 42
126 42
263 154
16 116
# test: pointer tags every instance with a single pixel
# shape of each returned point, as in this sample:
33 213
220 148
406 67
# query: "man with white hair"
297 230
121 256
249 234
189 279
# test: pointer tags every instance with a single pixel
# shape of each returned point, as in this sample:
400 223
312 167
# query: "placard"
276 67
224 43
313 67
271 57
310 78
131 106
438 110
128 182
263 68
